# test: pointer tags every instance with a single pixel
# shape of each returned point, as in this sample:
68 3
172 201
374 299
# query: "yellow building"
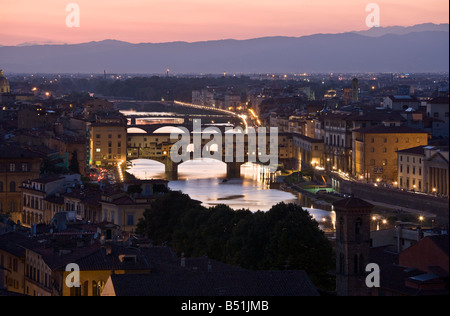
375 150
16 166
12 261
4 84
124 210
107 141
308 152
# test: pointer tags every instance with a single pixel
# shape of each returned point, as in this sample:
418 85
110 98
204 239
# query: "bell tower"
4 84
352 246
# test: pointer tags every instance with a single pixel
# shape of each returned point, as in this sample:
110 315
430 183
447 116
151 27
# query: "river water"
203 180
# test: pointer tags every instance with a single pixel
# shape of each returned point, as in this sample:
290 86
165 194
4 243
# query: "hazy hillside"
415 51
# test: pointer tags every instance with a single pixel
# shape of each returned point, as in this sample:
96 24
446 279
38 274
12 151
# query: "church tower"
4 84
352 246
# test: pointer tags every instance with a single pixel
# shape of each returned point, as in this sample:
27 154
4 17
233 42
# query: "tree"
285 237
52 165
74 166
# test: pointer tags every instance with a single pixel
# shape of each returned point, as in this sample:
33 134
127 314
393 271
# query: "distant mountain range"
402 30
419 48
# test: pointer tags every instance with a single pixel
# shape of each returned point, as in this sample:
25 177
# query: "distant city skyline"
156 21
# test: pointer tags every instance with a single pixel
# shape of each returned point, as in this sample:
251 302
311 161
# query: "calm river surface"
202 180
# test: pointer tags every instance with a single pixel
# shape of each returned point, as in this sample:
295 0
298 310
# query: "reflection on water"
205 180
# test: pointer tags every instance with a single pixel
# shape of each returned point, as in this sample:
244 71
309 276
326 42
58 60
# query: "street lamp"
421 218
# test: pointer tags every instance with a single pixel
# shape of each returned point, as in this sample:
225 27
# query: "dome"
4 84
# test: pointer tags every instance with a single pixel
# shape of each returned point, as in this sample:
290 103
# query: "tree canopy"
284 238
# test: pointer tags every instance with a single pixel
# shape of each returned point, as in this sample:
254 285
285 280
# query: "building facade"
375 150
424 169
16 166
107 141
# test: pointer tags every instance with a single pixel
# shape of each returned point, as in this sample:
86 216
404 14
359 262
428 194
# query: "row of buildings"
112 262
368 143
30 198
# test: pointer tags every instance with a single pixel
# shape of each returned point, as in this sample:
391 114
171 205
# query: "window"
401 168
97 136
372 162
95 289
12 167
86 288
24 167
109 136
12 186
130 219
358 224
97 150
1 186
341 229
384 162
385 150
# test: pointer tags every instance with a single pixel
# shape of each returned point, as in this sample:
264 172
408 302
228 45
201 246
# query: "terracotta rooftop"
418 150
9 242
227 281
381 129
13 151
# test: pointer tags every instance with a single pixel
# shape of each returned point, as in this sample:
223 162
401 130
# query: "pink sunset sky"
138 21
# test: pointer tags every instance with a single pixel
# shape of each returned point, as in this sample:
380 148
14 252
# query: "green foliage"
74 166
295 177
53 165
285 237
135 188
